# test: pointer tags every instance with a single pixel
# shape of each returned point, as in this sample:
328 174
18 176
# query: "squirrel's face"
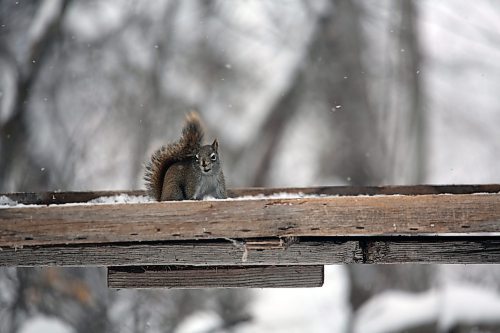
207 158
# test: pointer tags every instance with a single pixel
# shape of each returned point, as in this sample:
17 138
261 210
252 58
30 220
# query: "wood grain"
318 251
201 253
58 197
216 277
188 220
432 251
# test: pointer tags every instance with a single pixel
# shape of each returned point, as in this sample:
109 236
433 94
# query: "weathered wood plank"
189 220
342 216
370 190
320 251
216 277
58 197
432 251
201 253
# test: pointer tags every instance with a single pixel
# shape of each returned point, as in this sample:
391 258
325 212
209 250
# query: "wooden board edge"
189 277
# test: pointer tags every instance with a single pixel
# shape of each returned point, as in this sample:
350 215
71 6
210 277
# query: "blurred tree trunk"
17 162
355 155
404 98
406 155
156 100
265 147
410 69
332 73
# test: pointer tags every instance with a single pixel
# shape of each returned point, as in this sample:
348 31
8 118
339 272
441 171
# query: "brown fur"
180 152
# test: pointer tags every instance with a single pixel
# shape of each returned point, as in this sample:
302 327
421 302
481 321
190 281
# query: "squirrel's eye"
213 157
197 156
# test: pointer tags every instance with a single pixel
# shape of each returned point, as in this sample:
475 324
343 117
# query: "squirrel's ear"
215 145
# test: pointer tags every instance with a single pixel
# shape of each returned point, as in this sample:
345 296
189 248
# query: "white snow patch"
40 324
121 199
468 304
6 202
396 310
453 305
200 322
323 309
279 195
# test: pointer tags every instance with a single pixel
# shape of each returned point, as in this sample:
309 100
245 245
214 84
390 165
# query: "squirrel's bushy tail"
188 145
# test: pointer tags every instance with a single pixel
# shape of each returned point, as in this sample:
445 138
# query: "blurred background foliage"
299 93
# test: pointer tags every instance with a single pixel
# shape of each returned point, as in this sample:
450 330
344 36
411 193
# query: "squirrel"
186 170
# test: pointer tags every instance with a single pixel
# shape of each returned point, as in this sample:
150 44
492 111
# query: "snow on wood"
58 197
218 219
332 225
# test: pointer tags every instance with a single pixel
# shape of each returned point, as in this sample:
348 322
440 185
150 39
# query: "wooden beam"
439 250
51 198
201 253
241 219
317 251
216 277
59 198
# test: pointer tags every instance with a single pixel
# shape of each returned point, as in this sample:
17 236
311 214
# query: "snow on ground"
42 324
449 306
393 311
200 322
468 303
289 310
323 309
